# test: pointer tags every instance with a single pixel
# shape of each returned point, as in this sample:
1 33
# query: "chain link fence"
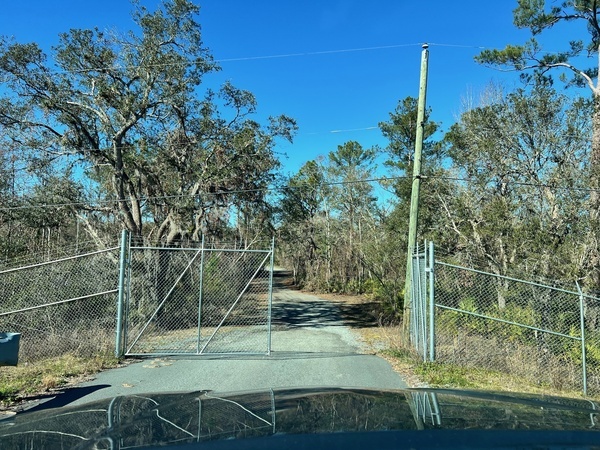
62 306
542 335
527 329
195 300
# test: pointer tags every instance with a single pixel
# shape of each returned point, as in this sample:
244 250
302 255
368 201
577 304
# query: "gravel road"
312 345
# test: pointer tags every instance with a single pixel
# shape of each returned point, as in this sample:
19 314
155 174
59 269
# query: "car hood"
267 419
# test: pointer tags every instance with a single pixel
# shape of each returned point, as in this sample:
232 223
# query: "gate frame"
124 294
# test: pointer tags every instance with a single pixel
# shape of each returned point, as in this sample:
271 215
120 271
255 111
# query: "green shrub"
513 313
592 348
455 320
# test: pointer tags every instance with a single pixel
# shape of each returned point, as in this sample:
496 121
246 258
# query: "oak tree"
130 111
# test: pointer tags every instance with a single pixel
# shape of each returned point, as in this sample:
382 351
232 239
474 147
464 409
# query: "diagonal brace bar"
165 299
235 303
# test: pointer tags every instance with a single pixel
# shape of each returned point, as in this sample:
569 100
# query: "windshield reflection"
162 419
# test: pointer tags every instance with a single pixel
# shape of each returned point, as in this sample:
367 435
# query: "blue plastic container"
9 349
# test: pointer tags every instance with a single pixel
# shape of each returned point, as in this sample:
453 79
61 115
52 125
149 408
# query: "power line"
323 52
222 60
520 183
75 151
354 129
209 58
479 47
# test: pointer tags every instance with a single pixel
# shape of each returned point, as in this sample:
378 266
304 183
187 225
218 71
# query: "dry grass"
17 384
55 355
84 342
530 367
519 371
386 342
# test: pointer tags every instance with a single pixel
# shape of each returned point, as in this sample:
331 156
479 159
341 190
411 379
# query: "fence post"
270 307
423 301
582 324
431 302
418 319
121 294
200 296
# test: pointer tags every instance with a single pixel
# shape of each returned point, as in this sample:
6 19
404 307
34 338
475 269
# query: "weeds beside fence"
546 335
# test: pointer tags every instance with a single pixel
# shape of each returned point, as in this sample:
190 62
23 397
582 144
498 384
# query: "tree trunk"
131 214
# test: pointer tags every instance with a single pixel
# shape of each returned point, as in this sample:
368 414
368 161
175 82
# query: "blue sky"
334 96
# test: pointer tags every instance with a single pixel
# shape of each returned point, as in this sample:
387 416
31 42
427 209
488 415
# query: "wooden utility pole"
414 196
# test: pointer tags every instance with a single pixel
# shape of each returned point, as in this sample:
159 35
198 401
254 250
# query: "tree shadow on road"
319 312
322 313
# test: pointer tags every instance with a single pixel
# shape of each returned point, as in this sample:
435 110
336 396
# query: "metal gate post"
582 324
127 296
121 295
200 295
423 301
431 303
269 307
412 327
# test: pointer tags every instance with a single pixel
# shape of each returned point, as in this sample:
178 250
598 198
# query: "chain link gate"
197 300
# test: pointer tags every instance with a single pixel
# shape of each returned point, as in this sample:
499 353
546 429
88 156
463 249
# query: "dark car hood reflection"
197 417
